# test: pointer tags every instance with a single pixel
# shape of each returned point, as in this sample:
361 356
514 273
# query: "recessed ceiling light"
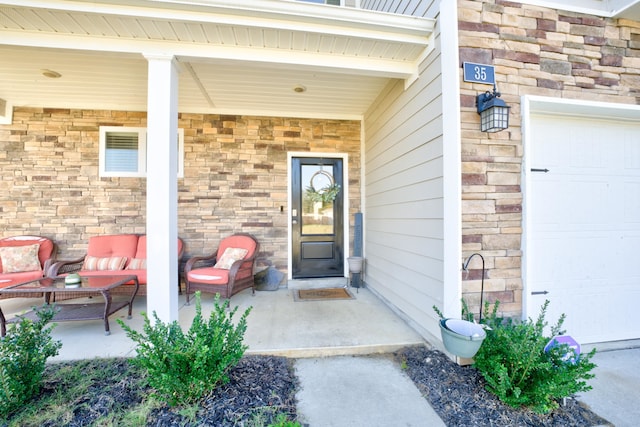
299 89
51 74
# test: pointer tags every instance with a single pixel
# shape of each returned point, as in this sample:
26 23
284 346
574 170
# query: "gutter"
281 14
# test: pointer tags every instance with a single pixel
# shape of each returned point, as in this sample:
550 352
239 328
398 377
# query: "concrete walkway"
359 392
277 325
616 387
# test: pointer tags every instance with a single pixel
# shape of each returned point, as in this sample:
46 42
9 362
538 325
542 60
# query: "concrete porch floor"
277 325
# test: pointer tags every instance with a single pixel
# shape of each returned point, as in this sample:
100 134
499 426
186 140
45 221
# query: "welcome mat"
323 294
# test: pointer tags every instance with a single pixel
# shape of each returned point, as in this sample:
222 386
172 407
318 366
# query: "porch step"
318 283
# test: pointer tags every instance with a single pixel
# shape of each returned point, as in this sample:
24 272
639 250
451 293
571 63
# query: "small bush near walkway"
517 369
181 367
115 393
23 355
254 391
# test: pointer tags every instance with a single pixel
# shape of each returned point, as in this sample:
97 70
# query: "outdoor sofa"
109 255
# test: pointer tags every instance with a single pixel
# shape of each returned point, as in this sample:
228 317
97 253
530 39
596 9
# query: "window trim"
142 150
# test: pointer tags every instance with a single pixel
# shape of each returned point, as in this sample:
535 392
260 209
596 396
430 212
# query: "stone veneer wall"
235 177
536 51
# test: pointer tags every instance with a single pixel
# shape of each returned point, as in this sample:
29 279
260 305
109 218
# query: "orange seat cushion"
8 279
141 274
210 275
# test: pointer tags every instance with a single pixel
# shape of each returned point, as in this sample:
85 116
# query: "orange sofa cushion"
131 246
116 245
141 251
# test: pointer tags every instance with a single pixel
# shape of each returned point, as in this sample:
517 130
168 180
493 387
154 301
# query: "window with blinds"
123 152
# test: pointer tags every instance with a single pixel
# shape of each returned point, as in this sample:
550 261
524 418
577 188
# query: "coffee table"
89 285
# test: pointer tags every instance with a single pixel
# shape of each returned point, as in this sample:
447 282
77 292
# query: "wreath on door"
326 194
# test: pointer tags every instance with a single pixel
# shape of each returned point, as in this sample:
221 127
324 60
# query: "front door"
317 217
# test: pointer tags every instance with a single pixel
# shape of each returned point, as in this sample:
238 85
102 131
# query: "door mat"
323 294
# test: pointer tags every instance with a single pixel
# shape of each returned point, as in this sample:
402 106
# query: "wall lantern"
494 113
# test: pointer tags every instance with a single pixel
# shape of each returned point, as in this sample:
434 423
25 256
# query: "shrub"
466 313
518 370
23 355
183 367
282 421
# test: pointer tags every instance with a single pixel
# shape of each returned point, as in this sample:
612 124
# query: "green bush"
23 355
466 313
282 421
183 367
518 370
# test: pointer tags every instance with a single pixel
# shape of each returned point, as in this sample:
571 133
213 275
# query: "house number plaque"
479 73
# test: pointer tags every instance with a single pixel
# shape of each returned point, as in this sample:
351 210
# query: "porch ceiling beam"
207 53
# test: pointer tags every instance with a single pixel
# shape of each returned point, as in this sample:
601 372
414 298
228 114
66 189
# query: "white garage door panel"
598 320
573 256
588 201
583 226
632 202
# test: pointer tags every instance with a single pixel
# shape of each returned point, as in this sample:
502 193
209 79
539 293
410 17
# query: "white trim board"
452 163
580 108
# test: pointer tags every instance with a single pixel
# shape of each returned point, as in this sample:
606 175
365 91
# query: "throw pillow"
16 259
137 264
92 263
230 256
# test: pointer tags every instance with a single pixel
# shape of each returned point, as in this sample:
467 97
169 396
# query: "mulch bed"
259 383
458 396
266 385
260 387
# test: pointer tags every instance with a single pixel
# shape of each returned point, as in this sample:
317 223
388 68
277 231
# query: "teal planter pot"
461 337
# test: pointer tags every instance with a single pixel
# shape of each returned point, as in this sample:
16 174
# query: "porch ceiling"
241 57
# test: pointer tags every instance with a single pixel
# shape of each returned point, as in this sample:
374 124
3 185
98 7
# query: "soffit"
629 10
246 55
625 9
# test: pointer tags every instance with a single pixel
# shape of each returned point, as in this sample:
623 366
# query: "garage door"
583 225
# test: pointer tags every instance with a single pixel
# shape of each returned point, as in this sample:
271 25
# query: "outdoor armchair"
227 271
24 258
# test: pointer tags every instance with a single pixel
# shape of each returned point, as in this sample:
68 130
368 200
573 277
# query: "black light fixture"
494 113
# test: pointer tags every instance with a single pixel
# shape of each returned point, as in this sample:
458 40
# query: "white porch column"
162 187
452 161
